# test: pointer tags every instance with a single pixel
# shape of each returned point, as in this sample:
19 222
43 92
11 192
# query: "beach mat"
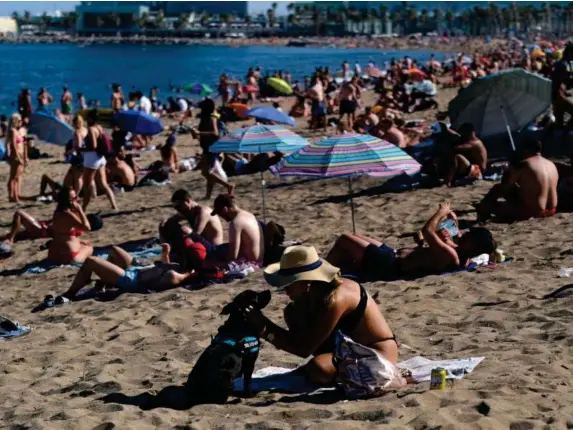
138 249
283 380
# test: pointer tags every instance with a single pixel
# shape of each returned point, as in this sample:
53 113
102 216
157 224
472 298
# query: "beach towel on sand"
283 380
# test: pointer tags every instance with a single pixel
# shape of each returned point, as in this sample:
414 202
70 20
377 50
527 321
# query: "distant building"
174 8
95 17
8 27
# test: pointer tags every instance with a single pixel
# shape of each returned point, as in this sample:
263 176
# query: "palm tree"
412 20
182 21
46 20
160 18
437 15
449 19
142 22
424 18
204 21
27 16
16 17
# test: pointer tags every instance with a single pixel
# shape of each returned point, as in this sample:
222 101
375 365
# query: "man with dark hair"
199 217
246 236
529 188
469 156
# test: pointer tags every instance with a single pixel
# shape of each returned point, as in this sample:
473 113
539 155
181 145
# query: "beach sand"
55 377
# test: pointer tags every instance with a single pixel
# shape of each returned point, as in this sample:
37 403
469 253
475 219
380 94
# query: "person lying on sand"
529 188
246 235
199 217
468 158
117 272
373 259
120 173
322 303
236 164
387 130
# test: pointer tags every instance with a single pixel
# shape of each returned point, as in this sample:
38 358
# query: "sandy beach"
55 377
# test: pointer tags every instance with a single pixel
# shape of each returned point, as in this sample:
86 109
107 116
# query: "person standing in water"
117 100
44 99
67 103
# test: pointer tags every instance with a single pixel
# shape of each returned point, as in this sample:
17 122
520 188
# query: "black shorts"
380 263
348 107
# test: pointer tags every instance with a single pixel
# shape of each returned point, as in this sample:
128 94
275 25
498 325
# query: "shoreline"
359 42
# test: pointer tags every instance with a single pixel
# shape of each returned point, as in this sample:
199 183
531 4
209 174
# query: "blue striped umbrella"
258 139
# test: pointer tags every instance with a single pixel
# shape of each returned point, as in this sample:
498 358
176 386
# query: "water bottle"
566 272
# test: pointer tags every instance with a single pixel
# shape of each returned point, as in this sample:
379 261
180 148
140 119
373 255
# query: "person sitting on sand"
169 155
117 272
199 217
322 303
72 179
387 130
120 173
529 188
468 158
246 235
375 260
68 224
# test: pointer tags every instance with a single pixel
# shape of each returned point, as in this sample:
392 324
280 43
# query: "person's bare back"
249 232
122 173
396 137
477 153
537 179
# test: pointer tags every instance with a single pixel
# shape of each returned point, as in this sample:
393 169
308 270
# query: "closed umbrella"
271 114
503 102
50 128
347 155
259 139
198 89
138 122
280 85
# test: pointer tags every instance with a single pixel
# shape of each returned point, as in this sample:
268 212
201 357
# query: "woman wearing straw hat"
321 304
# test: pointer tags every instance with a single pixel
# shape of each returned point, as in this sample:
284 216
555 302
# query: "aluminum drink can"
438 379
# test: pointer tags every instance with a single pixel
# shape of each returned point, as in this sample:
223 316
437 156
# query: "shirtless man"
469 156
246 236
348 97
119 172
44 99
199 217
318 109
388 131
116 98
529 188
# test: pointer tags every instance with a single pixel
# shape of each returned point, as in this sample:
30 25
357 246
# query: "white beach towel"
292 381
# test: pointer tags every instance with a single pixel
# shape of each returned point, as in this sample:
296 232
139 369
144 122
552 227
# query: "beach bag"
104 145
361 371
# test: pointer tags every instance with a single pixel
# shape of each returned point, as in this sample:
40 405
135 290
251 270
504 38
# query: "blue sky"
37 7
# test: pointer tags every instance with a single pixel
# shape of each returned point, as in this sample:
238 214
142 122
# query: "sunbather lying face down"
321 304
374 260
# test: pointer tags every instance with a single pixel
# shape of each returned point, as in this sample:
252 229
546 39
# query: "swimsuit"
347 325
129 280
380 263
547 213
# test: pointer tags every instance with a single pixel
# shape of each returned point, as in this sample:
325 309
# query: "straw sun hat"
299 263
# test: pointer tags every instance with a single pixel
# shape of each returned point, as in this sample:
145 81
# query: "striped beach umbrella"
348 155
258 139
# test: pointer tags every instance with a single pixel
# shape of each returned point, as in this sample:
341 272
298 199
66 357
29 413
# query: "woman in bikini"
321 304
68 223
94 164
17 154
375 260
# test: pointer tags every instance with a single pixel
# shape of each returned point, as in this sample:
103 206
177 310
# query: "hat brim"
326 272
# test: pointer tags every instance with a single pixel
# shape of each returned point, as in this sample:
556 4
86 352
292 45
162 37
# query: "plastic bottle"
566 272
